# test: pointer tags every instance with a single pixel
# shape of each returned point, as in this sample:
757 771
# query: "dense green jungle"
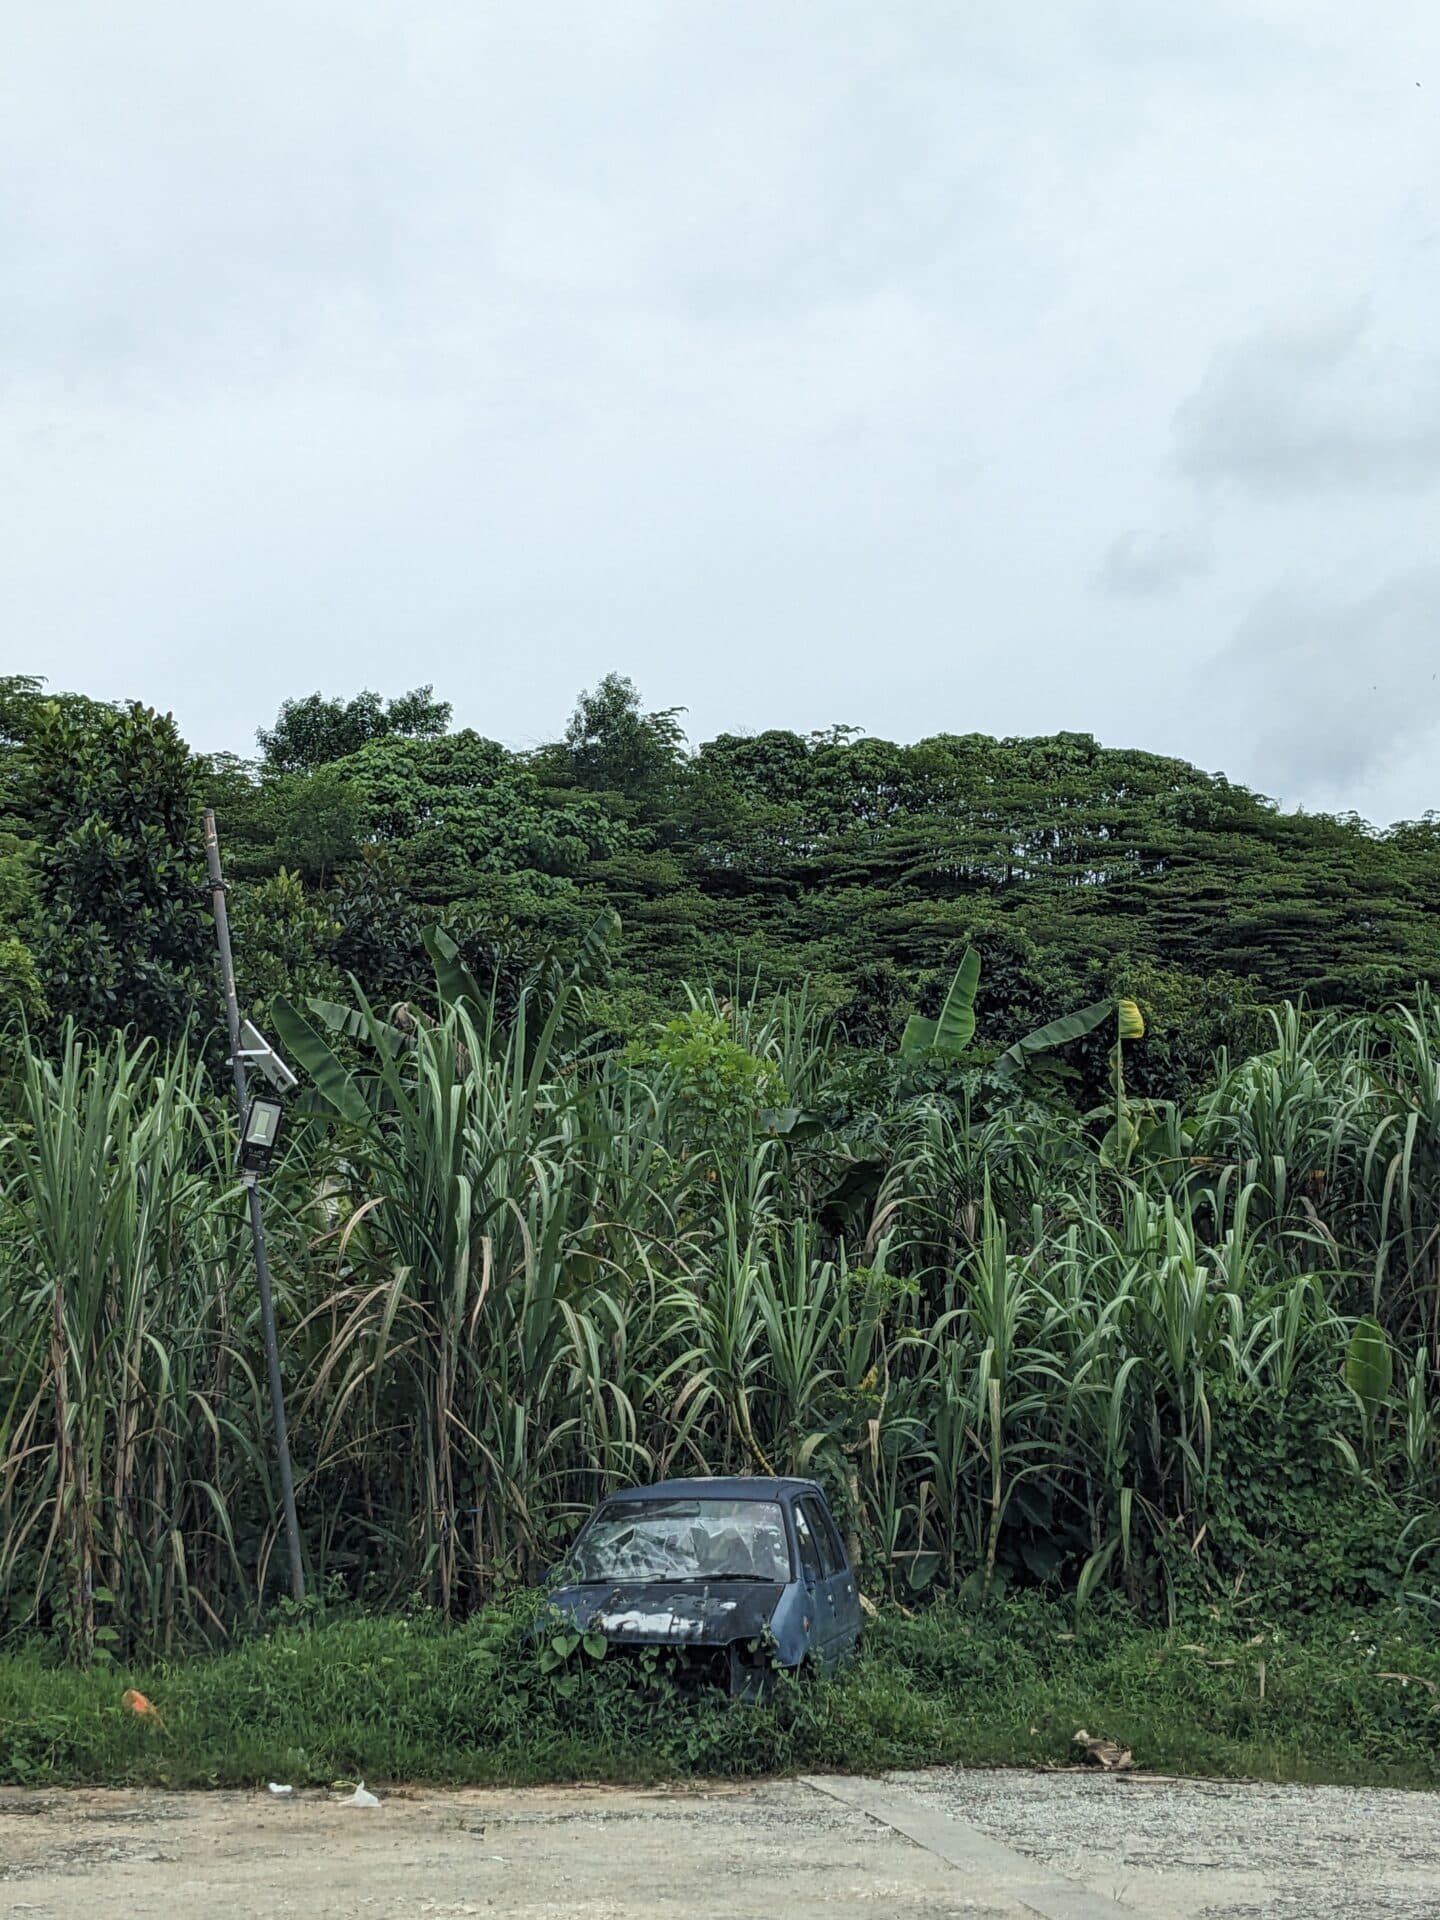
1038 1143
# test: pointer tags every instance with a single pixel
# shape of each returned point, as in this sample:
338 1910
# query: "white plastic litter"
278 1790
361 1798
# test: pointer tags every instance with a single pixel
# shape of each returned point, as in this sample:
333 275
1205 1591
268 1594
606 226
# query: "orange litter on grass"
138 1704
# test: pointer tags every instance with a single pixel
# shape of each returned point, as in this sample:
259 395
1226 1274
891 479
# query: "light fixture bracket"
257 1051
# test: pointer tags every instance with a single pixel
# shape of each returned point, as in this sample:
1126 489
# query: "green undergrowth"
405 1699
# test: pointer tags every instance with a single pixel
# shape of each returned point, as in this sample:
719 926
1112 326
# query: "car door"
837 1610
821 1605
844 1585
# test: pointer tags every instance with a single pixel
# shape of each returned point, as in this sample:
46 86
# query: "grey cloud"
1314 409
1147 564
801 361
1329 693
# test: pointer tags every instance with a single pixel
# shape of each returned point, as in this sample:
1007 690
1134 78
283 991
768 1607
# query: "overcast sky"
922 366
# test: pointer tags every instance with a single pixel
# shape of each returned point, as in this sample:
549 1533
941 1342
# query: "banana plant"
1123 1136
946 1037
1056 1033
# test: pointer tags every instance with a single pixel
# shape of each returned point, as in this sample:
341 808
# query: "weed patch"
1345 1700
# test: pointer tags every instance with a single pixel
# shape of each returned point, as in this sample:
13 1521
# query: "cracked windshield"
683 1540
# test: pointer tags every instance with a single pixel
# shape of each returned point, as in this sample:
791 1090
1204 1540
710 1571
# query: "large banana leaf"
955 1028
1070 1026
599 935
333 1082
1131 1022
918 1038
357 1023
454 982
953 1031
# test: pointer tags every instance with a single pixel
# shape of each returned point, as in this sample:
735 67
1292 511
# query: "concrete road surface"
1064 1846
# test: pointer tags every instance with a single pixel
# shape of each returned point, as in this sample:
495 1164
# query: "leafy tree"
305 823
612 746
315 821
21 996
118 925
833 855
718 1088
381 927
284 943
22 993
312 732
458 812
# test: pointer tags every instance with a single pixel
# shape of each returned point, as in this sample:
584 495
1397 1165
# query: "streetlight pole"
257 1224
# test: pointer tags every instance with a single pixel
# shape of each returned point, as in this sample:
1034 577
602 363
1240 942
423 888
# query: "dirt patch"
547 1855
777 1850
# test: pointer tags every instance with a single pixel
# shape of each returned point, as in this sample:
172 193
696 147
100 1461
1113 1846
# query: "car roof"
732 1487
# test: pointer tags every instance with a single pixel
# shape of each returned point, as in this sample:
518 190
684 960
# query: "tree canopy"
310 733
864 866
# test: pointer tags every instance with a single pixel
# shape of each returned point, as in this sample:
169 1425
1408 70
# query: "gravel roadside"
992 1846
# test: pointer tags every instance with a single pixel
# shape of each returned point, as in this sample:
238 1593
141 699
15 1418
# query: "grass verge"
399 1699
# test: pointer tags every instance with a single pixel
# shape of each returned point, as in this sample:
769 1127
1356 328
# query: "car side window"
832 1531
830 1562
809 1546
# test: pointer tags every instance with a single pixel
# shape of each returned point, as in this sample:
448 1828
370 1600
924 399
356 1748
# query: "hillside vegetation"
955 1206
858 868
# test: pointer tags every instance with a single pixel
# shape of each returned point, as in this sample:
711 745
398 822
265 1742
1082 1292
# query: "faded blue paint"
819 1617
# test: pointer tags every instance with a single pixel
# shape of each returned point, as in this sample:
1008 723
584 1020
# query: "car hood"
671 1613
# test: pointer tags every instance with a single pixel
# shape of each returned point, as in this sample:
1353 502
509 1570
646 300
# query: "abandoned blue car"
740 1575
